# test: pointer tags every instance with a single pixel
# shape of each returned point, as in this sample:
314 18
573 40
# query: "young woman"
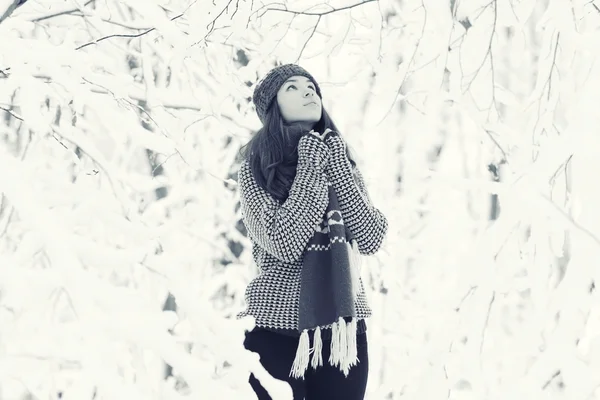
309 216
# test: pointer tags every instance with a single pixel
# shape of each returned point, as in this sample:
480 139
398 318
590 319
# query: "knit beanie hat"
267 88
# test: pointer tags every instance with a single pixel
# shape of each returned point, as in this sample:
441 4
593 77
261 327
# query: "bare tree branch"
12 114
79 14
212 23
547 84
7 7
122 24
485 326
308 40
489 49
64 12
549 80
169 100
570 221
490 135
411 62
122 35
146 30
554 375
333 10
471 290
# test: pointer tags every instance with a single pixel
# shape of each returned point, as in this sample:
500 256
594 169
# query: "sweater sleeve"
284 230
368 224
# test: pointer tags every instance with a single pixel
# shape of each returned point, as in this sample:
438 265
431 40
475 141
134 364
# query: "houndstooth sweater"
280 232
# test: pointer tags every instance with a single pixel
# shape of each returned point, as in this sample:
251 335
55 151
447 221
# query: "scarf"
329 284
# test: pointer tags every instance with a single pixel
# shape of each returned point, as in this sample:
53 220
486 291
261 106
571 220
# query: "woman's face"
298 101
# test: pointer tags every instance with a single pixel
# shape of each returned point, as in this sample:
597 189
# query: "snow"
118 188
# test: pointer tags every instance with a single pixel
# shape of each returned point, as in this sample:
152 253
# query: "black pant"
277 353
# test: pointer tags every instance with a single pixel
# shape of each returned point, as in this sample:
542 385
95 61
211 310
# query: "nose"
308 93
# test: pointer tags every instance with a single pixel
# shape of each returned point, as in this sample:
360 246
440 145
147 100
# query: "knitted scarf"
329 284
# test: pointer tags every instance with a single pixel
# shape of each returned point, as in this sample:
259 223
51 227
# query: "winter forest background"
122 256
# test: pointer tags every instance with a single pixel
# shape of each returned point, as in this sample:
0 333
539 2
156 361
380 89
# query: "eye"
312 87
292 86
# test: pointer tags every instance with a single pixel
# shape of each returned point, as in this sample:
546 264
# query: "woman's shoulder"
244 167
245 176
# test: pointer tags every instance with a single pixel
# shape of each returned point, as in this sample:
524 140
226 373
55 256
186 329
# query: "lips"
312 102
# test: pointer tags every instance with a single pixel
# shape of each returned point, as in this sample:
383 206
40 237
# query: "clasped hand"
321 135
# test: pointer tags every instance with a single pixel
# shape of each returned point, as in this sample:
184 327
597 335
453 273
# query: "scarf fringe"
351 351
343 354
317 358
302 355
338 344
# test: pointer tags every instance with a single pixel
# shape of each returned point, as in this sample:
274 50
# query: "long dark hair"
272 152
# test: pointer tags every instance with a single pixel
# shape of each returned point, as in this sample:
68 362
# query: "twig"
136 96
308 40
489 133
471 290
560 167
485 325
554 375
75 13
571 221
61 143
548 83
212 23
162 163
12 113
333 10
123 35
489 48
58 14
410 63
124 25
553 66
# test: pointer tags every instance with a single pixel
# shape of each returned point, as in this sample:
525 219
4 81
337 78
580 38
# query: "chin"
315 117
311 118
